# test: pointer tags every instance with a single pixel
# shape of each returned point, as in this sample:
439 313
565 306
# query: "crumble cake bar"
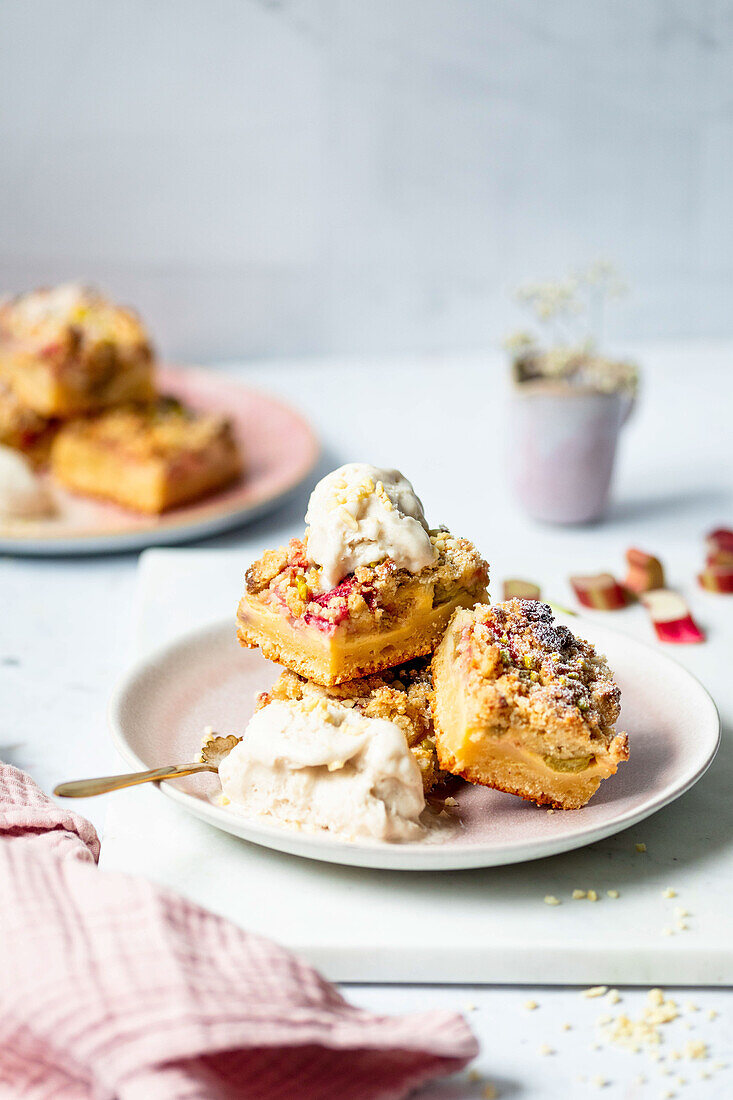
148 458
377 617
23 429
68 350
402 695
524 706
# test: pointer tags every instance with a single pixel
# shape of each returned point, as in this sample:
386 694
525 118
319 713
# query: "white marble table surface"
65 633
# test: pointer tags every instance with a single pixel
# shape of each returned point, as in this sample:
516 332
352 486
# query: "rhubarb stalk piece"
601 592
719 545
515 589
717 578
671 617
645 572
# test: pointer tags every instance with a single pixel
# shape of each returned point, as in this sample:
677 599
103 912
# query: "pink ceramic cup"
562 449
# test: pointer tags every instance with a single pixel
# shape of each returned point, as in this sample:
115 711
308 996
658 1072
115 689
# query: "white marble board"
462 927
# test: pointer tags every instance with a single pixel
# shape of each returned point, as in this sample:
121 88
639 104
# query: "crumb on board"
643 1032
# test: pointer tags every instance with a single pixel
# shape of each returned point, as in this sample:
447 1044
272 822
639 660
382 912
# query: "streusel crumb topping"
19 424
529 666
402 695
163 429
69 310
286 577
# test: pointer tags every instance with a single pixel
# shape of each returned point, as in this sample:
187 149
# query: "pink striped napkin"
113 988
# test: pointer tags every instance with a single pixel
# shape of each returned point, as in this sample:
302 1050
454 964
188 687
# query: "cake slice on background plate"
69 350
148 458
23 429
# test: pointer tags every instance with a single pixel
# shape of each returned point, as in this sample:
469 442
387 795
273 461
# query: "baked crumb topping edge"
284 577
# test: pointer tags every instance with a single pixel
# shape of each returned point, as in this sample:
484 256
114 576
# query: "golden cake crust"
523 705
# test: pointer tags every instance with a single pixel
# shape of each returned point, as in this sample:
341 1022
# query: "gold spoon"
213 751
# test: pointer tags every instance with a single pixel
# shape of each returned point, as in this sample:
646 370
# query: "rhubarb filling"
339 653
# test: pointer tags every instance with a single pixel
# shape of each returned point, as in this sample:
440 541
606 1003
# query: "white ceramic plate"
160 709
279 450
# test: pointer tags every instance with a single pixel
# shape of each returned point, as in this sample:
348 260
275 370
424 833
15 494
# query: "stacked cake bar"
77 391
374 610
354 610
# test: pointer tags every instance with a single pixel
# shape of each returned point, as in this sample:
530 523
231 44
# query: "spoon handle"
85 788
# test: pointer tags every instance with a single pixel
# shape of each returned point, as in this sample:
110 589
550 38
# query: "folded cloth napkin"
113 988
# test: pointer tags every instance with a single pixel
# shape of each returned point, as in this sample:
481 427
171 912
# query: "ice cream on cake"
524 706
320 765
402 695
368 587
359 515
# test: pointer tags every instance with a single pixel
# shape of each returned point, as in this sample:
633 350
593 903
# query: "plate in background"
279 447
159 711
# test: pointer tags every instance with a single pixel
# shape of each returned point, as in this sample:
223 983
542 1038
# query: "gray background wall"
367 175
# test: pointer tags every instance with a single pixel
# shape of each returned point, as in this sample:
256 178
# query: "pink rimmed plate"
279 449
159 711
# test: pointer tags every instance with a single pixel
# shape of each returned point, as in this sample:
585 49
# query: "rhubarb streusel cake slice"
69 350
402 695
524 706
23 429
377 617
147 457
368 588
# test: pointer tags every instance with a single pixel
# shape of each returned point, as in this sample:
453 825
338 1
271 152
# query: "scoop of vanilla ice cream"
360 515
326 766
22 496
